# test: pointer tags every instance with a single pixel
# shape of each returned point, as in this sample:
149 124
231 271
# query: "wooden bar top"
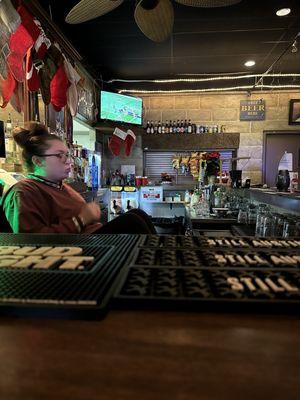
147 355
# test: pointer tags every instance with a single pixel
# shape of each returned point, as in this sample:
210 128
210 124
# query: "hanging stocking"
129 140
72 94
7 87
17 100
36 53
20 41
4 48
9 15
33 82
51 62
58 89
116 141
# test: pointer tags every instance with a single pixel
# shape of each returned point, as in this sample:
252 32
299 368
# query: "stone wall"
223 109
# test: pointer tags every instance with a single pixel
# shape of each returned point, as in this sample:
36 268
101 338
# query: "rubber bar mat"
183 257
234 243
72 279
73 239
204 289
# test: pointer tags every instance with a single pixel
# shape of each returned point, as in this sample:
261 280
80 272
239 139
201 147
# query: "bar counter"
151 355
139 349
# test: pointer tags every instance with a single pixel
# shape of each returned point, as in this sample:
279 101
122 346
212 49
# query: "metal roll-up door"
158 162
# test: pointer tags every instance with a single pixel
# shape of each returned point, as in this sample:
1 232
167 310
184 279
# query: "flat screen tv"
121 108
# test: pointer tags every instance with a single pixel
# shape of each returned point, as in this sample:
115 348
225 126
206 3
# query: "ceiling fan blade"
208 3
86 10
155 18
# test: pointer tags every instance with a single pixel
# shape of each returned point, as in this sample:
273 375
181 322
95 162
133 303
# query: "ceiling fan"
155 18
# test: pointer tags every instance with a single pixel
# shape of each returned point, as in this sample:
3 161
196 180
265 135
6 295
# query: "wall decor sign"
252 110
294 114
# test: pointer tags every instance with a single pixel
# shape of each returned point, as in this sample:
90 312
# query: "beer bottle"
148 127
181 126
167 127
151 127
159 127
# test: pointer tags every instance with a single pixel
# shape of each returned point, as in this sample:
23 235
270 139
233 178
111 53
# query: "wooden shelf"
189 142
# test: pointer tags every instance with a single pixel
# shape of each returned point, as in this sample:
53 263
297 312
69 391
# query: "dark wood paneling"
180 142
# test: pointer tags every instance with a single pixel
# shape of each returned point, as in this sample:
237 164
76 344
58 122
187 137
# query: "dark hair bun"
32 129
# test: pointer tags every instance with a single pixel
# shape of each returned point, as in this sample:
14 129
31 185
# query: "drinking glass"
262 209
267 225
289 227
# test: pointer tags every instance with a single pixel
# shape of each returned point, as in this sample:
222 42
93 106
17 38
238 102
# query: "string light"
210 79
246 87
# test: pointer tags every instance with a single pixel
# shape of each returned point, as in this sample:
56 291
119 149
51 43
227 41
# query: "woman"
42 203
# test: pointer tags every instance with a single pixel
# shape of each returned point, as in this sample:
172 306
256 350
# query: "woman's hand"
90 213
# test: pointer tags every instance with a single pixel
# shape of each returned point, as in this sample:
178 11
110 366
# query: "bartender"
42 203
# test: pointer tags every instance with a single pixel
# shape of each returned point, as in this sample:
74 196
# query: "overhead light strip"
247 87
215 78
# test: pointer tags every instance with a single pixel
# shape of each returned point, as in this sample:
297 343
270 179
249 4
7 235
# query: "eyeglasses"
62 156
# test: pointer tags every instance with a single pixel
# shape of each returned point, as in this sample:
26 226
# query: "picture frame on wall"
294 113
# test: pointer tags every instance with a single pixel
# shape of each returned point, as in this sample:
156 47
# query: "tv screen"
121 108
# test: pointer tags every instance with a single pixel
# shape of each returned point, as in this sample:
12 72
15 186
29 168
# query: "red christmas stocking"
7 88
20 41
58 89
116 141
129 140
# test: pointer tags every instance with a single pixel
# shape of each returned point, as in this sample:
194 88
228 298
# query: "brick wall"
223 109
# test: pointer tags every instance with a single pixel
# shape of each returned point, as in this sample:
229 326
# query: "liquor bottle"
167 130
115 208
151 127
128 207
185 126
148 127
155 127
189 128
181 126
9 142
159 127
178 126
94 174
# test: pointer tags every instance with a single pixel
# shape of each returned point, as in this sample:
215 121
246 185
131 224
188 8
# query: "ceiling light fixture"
282 12
209 89
250 63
